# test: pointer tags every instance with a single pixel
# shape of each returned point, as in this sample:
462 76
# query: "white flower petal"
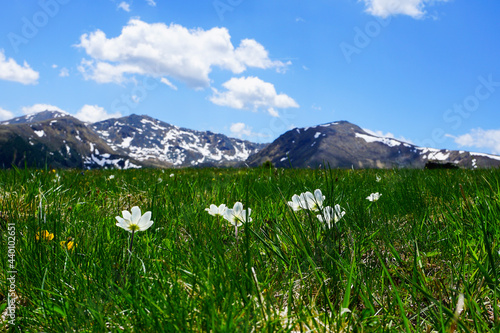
136 214
123 225
144 220
228 215
222 209
319 196
126 215
146 225
237 208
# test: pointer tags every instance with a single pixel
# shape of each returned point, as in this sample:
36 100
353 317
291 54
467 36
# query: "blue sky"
424 71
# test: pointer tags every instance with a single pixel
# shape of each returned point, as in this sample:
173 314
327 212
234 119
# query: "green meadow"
422 258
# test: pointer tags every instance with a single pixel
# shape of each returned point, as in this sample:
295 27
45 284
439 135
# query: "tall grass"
399 264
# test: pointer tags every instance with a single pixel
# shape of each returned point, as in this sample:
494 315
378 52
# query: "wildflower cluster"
307 201
47 236
236 216
314 203
44 235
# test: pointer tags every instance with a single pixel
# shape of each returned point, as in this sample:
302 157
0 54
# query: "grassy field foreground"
424 257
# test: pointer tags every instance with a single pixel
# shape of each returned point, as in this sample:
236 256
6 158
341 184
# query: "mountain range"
59 140
345 145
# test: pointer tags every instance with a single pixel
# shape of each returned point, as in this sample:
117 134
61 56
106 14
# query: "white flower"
331 214
237 215
308 201
111 177
295 204
217 211
312 202
135 221
374 196
172 175
377 178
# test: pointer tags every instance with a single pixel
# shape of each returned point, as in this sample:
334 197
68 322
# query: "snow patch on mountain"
39 133
495 157
147 139
387 141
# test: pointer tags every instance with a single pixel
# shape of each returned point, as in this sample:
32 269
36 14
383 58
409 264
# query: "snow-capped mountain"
60 140
57 140
36 117
345 145
158 143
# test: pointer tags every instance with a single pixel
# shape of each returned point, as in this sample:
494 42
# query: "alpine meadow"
248 166
315 250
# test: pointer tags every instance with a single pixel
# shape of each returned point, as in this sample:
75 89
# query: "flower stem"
131 241
129 257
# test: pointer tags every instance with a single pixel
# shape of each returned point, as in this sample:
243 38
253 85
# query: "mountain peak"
153 141
37 117
342 144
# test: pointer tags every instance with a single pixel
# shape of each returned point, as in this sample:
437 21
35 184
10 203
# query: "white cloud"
161 50
252 93
241 129
253 54
103 72
35 108
152 3
273 112
10 70
385 8
64 72
480 138
168 83
5 114
94 113
125 6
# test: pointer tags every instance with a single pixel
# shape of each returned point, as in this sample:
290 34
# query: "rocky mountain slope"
345 145
57 140
157 143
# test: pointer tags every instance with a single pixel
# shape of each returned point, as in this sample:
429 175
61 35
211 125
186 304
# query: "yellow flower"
44 235
68 244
